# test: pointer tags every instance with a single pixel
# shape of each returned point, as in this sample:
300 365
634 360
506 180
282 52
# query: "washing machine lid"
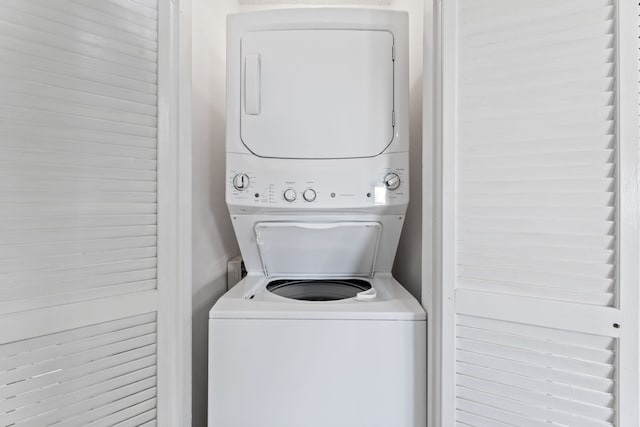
303 249
317 94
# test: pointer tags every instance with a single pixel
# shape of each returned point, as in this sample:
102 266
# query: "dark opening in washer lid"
318 289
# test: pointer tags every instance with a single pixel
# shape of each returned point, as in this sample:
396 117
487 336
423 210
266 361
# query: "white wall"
407 268
213 238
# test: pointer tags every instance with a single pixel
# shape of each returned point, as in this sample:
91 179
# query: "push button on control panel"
290 195
309 195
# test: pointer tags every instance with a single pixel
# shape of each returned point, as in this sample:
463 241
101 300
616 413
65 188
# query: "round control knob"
241 181
391 181
289 195
309 195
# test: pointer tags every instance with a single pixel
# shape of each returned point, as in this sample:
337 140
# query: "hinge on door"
393 119
393 53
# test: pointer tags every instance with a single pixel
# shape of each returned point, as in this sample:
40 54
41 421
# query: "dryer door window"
317 93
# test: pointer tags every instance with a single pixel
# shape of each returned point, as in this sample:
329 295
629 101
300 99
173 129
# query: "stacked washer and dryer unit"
319 333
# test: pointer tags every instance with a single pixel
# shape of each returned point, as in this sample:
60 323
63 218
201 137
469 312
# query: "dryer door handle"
252 84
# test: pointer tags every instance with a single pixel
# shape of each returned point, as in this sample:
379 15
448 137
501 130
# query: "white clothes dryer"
319 333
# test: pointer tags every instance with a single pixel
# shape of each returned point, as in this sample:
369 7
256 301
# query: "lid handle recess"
368 295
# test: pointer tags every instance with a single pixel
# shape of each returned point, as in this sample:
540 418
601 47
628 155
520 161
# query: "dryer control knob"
309 195
241 181
392 181
290 195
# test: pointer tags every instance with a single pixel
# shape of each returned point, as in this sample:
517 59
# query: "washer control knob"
241 181
290 195
309 195
392 181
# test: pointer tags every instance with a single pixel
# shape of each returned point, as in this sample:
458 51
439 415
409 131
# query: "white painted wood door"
94 325
536 214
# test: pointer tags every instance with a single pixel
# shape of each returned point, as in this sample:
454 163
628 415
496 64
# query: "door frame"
432 207
628 211
174 206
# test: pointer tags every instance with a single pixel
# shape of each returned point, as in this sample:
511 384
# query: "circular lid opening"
318 289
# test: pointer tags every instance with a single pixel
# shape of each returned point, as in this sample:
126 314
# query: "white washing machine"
319 334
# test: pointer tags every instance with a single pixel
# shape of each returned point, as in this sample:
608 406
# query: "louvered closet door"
80 263
540 216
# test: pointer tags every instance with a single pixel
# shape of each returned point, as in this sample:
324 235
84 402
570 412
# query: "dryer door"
313 94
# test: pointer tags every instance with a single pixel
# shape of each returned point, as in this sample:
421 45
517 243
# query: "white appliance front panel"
317 93
317 373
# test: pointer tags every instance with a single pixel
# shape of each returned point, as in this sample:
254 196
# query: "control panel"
318 184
